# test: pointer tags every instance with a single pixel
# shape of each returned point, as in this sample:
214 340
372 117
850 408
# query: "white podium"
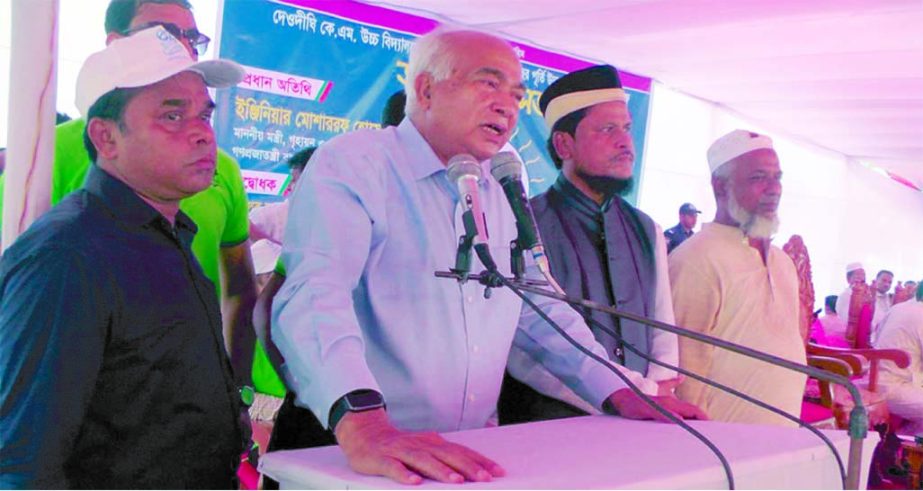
609 452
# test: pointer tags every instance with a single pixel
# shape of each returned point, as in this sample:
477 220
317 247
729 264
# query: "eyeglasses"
197 40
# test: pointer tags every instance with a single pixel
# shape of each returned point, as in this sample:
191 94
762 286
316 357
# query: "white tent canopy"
844 75
838 83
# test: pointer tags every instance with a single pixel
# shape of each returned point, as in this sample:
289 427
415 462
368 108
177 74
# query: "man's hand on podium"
667 387
629 405
373 446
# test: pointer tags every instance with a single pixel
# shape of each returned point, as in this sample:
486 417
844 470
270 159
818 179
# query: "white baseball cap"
853 267
146 58
735 144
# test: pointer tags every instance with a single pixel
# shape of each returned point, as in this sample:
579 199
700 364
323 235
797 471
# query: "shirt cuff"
331 382
600 383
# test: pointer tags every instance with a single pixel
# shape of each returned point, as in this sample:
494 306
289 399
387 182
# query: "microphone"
507 170
465 172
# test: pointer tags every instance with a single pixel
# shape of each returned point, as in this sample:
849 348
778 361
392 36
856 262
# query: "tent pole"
31 117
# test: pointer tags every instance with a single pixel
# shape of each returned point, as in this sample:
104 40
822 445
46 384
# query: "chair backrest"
864 327
849 362
835 365
872 356
859 319
796 250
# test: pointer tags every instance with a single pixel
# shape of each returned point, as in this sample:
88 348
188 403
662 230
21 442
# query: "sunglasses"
197 40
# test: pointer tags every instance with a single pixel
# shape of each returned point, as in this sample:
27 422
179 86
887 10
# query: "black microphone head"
463 165
505 165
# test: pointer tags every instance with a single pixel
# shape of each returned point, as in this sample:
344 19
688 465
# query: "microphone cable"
507 170
727 389
858 416
650 402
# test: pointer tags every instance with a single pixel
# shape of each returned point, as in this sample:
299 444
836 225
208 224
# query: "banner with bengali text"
317 69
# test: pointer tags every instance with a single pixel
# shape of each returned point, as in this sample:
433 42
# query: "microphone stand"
492 276
858 417
517 260
465 246
463 257
489 280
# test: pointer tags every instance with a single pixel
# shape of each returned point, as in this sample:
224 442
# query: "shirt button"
471 397
475 349
470 299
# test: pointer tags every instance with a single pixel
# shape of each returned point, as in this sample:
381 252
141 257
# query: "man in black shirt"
114 372
688 216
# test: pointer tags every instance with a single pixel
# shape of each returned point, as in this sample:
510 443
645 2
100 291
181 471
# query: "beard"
608 186
753 225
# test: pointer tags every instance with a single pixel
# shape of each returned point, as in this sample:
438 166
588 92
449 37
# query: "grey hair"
433 54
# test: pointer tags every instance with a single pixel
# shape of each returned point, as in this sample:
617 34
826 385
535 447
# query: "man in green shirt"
220 212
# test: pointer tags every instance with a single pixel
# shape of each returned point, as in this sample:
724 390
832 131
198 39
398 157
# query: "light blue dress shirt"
372 219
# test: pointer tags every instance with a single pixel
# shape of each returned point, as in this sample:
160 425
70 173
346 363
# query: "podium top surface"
609 452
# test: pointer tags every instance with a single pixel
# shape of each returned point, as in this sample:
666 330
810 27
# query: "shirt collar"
124 204
579 201
422 160
727 231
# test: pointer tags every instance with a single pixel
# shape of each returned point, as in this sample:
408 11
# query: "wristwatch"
356 401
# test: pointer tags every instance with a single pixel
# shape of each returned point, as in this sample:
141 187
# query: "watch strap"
356 401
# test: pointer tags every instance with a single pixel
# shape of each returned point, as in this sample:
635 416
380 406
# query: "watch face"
366 399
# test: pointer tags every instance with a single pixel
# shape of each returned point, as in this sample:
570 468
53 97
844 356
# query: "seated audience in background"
904 291
883 300
688 216
730 282
855 274
109 328
902 328
830 329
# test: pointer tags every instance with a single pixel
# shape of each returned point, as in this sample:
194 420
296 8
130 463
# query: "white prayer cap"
733 145
853 267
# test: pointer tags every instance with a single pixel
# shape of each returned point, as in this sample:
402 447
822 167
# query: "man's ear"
423 87
563 144
104 134
719 185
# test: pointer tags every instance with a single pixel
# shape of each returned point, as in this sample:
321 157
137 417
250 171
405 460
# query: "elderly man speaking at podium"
377 346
